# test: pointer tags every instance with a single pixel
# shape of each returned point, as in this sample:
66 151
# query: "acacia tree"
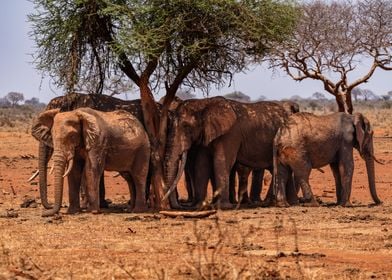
158 45
335 38
14 97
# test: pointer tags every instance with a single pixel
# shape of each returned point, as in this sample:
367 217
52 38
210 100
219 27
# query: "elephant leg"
189 175
132 191
83 191
199 171
338 182
278 186
346 170
243 175
139 175
292 190
74 182
232 183
93 174
189 184
257 185
102 201
224 160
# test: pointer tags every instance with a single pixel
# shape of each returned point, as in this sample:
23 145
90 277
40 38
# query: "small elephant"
308 141
92 141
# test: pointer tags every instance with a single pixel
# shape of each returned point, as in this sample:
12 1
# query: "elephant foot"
311 203
73 210
346 204
225 205
139 210
294 202
282 203
105 203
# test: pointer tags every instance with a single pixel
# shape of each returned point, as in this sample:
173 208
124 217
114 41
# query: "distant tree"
365 94
369 95
332 39
318 96
34 101
261 98
14 97
296 98
238 96
4 102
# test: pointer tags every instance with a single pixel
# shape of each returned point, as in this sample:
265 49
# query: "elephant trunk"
59 167
179 172
44 156
371 178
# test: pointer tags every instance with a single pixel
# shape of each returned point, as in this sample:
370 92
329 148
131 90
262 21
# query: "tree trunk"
152 123
344 102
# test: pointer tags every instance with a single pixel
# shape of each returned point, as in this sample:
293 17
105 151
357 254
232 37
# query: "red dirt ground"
327 242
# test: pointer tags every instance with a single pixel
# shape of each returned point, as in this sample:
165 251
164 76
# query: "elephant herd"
209 140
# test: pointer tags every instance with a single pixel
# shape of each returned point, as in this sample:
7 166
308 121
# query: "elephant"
243 172
70 102
309 141
230 131
112 141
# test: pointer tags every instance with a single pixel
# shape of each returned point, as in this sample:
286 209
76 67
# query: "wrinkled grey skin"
112 141
308 141
226 129
70 102
243 173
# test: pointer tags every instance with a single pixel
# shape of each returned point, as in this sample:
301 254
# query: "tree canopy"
173 42
335 38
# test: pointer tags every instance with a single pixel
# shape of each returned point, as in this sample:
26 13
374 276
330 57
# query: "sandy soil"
328 242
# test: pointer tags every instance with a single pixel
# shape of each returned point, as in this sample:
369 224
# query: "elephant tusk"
33 176
179 173
51 169
378 161
70 164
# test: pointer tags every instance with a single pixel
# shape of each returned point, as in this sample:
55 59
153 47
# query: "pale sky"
17 73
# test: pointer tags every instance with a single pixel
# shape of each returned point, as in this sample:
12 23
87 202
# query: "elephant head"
195 122
364 144
70 133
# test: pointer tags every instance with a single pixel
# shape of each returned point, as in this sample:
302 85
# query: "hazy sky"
17 73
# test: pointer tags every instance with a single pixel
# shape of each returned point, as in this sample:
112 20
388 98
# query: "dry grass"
265 243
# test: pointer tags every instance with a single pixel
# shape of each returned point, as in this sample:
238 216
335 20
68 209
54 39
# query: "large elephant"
92 141
70 102
243 172
308 141
231 132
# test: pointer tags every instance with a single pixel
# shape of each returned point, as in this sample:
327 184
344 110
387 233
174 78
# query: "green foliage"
196 43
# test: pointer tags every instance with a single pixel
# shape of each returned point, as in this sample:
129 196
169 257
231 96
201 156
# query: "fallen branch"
188 214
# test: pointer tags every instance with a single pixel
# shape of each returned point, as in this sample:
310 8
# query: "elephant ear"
218 119
363 131
42 125
90 129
